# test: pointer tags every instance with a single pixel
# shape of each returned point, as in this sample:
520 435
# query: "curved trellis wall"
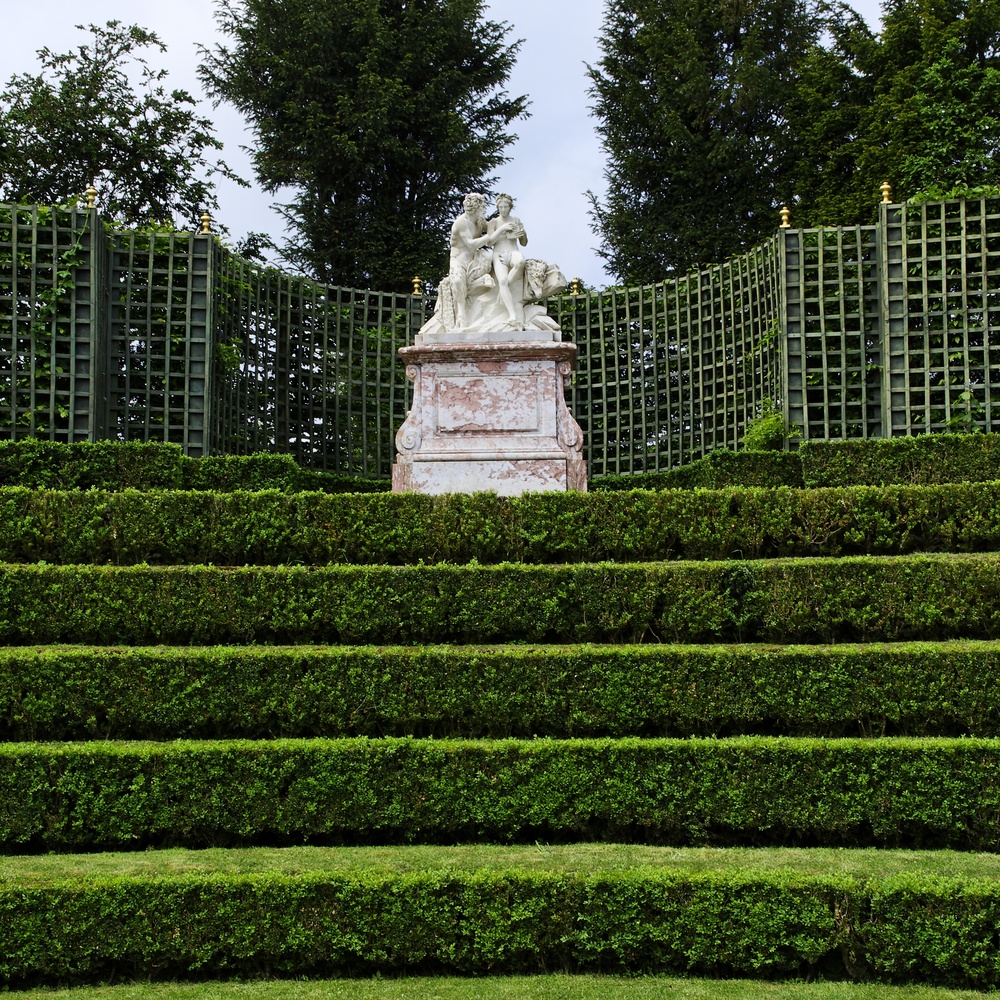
854 332
671 371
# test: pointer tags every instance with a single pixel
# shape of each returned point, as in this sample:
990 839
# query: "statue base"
489 416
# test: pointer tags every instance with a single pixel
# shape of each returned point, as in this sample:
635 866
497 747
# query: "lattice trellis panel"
310 369
160 338
942 295
53 346
859 332
833 360
669 372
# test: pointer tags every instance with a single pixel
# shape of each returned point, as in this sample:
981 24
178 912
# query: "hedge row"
257 692
112 465
887 792
753 923
926 458
716 470
116 465
273 528
888 598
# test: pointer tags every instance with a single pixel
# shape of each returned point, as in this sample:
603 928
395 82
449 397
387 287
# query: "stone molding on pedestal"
489 416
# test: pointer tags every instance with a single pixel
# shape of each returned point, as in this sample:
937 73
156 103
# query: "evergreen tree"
377 114
691 98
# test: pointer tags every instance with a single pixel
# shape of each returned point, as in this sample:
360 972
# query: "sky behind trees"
555 160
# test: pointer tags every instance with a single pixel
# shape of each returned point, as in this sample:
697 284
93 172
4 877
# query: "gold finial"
416 285
206 224
886 189
91 194
786 214
574 287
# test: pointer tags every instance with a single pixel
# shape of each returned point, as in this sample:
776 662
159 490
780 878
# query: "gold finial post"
91 194
416 285
574 287
786 214
206 224
886 189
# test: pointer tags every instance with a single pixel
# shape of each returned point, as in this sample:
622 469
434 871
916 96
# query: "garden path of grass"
555 987
37 870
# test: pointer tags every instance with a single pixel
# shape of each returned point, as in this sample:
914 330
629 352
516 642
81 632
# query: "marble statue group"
489 371
491 285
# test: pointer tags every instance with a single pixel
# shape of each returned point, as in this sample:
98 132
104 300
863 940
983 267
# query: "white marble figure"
491 288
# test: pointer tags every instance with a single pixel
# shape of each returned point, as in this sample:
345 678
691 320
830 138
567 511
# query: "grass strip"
280 528
891 792
34 871
542 987
888 598
912 927
255 692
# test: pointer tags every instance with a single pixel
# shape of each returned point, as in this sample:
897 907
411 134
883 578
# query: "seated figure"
491 287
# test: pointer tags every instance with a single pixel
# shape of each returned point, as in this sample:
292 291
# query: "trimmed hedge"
257 692
117 465
383 921
923 459
716 470
889 598
273 528
750 923
887 792
113 465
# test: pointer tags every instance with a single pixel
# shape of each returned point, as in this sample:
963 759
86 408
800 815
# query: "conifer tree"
376 115
691 98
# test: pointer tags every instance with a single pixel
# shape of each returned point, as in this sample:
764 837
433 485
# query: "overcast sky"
554 162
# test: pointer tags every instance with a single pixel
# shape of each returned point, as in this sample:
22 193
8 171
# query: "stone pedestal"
489 416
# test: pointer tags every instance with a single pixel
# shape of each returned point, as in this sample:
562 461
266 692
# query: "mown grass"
35 870
556 987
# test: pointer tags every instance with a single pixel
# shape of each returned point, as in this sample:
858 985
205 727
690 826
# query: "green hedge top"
926 458
888 598
881 792
76 692
114 465
275 528
117 465
912 928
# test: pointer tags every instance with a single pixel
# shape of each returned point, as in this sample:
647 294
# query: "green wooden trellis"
671 371
862 331
941 299
53 328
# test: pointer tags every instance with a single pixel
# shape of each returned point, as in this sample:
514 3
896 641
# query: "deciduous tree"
915 105
83 120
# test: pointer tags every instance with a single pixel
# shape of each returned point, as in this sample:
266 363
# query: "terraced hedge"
275 528
117 465
747 923
798 600
889 792
918 689
114 465
313 741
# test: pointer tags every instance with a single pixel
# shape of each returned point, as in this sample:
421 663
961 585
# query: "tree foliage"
916 105
713 115
377 114
691 98
83 120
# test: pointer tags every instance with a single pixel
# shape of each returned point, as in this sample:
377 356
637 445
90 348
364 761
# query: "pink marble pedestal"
489 416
